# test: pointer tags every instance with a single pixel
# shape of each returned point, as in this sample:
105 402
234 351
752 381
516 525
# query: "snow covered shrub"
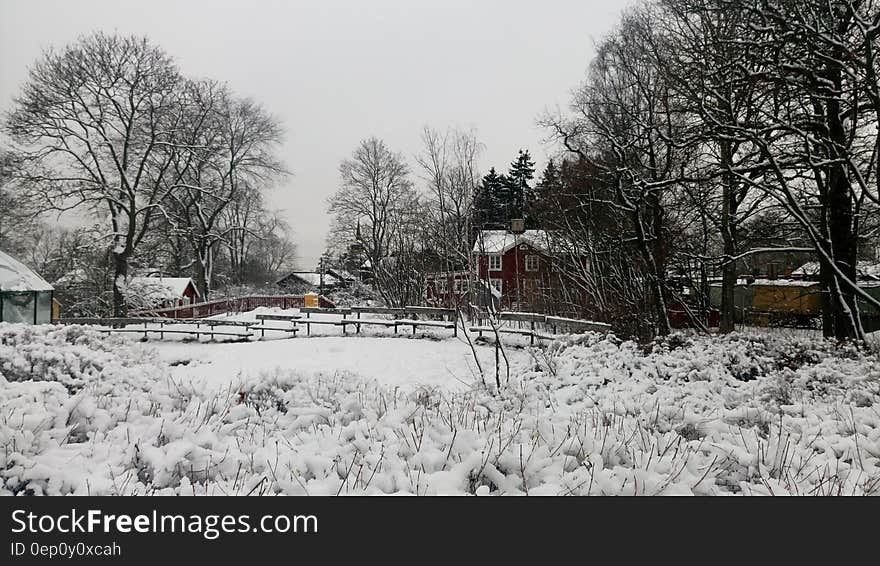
61 387
145 293
602 416
70 355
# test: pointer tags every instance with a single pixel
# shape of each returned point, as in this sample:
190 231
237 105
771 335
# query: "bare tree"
375 193
818 140
18 212
449 167
596 272
94 126
628 125
737 110
697 48
225 148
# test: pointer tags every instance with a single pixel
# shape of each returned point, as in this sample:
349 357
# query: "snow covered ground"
431 358
743 414
402 362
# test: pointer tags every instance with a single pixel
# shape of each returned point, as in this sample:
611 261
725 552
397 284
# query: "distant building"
343 277
518 266
458 289
156 292
513 271
299 282
865 271
24 296
771 264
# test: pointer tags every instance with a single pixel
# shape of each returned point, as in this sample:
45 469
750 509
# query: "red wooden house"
518 266
511 270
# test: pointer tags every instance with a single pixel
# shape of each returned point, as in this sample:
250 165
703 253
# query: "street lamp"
321 264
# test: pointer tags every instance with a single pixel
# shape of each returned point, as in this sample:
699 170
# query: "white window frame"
533 262
440 286
461 286
500 259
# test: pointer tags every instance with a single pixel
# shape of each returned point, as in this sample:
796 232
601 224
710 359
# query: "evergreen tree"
490 202
522 170
550 178
547 190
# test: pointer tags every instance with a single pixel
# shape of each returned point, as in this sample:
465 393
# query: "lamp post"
321 261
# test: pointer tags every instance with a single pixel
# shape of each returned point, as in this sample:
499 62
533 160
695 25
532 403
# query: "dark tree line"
500 198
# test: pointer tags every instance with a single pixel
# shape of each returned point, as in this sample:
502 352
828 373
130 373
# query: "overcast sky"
336 72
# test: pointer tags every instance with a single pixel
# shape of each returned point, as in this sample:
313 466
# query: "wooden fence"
234 304
538 321
535 326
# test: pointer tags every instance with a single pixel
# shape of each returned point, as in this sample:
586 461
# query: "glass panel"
531 263
44 307
18 307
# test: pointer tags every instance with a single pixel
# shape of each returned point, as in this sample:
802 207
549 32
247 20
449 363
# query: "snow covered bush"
589 415
69 355
145 293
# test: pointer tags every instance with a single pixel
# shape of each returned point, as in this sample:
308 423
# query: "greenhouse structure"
24 296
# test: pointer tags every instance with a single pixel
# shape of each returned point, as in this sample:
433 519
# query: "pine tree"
490 202
522 170
546 190
549 178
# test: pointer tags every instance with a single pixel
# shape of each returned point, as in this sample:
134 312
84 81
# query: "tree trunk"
842 300
728 293
728 236
844 315
653 256
120 272
200 278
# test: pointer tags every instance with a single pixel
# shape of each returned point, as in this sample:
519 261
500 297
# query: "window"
531 263
494 262
496 283
19 306
440 286
461 286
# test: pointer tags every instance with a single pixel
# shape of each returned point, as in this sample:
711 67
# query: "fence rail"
537 324
234 304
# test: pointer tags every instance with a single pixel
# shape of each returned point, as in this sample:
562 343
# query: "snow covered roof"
341 274
16 276
784 283
864 269
312 278
499 241
809 268
177 285
743 281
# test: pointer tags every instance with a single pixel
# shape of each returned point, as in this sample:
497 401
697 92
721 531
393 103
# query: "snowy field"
751 413
431 358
